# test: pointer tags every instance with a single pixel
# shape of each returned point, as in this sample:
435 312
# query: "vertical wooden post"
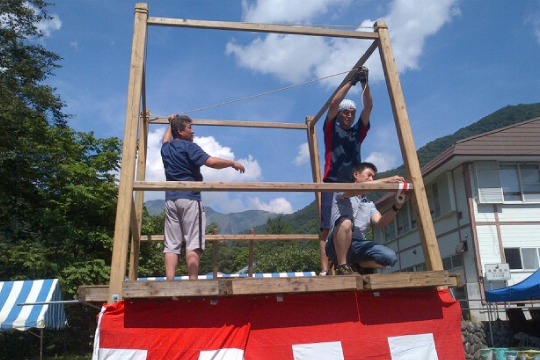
428 237
127 171
139 197
250 256
314 158
215 255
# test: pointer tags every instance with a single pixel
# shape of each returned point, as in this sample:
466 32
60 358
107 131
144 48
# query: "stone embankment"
476 336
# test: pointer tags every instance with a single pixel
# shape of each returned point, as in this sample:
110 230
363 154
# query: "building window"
415 268
413 217
402 220
522 258
530 178
435 201
452 262
513 258
510 182
390 230
520 182
530 258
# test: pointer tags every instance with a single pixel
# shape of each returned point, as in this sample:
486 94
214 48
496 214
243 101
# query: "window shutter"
489 183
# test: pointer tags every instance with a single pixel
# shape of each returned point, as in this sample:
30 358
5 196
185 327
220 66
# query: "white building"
484 196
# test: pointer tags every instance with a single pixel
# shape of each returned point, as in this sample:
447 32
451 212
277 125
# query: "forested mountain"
304 221
234 223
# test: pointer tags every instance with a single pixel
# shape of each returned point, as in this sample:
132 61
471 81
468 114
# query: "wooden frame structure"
129 208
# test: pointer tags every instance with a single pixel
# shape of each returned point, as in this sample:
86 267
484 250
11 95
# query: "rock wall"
476 336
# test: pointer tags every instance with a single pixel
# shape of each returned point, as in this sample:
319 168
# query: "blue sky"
458 61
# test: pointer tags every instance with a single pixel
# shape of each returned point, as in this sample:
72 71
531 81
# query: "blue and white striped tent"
24 317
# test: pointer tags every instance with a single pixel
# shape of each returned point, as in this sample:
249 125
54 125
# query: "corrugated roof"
521 139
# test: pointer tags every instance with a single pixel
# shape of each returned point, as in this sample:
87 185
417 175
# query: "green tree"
278 225
151 261
57 186
284 256
288 258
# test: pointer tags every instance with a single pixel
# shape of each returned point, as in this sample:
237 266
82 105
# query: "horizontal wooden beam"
245 237
235 123
226 287
262 186
258 27
413 279
93 293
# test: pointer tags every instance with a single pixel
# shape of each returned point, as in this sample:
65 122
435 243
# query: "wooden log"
258 27
412 279
314 159
139 195
127 171
260 186
253 286
93 293
237 123
244 237
410 158
228 286
169 288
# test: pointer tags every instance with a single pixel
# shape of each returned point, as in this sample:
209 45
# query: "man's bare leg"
192 261
324 258
171 260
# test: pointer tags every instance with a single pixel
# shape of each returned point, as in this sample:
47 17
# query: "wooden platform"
231 287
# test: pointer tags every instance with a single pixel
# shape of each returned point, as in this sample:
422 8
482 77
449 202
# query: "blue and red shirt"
342 149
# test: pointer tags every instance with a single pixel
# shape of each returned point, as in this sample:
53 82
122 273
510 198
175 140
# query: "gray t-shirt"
357 208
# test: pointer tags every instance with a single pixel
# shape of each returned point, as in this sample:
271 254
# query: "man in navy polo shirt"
185 219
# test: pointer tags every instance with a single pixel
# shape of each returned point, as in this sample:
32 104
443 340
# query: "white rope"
257 95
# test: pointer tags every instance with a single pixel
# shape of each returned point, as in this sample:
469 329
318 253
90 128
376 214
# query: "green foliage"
212 228
278 225
57 186
290 257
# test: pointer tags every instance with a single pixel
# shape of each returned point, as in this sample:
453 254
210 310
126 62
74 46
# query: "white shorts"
185 220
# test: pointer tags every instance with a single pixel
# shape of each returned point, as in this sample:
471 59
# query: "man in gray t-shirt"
352 214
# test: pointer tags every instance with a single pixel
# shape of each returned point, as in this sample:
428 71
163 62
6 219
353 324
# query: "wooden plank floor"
230 287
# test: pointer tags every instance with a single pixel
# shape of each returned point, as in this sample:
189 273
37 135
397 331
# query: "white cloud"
293 11
156 172
277 206
411 22
303 155
383 161
74 44
49 25
46 26
298 58
281 55
534 19
214 148
216 200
